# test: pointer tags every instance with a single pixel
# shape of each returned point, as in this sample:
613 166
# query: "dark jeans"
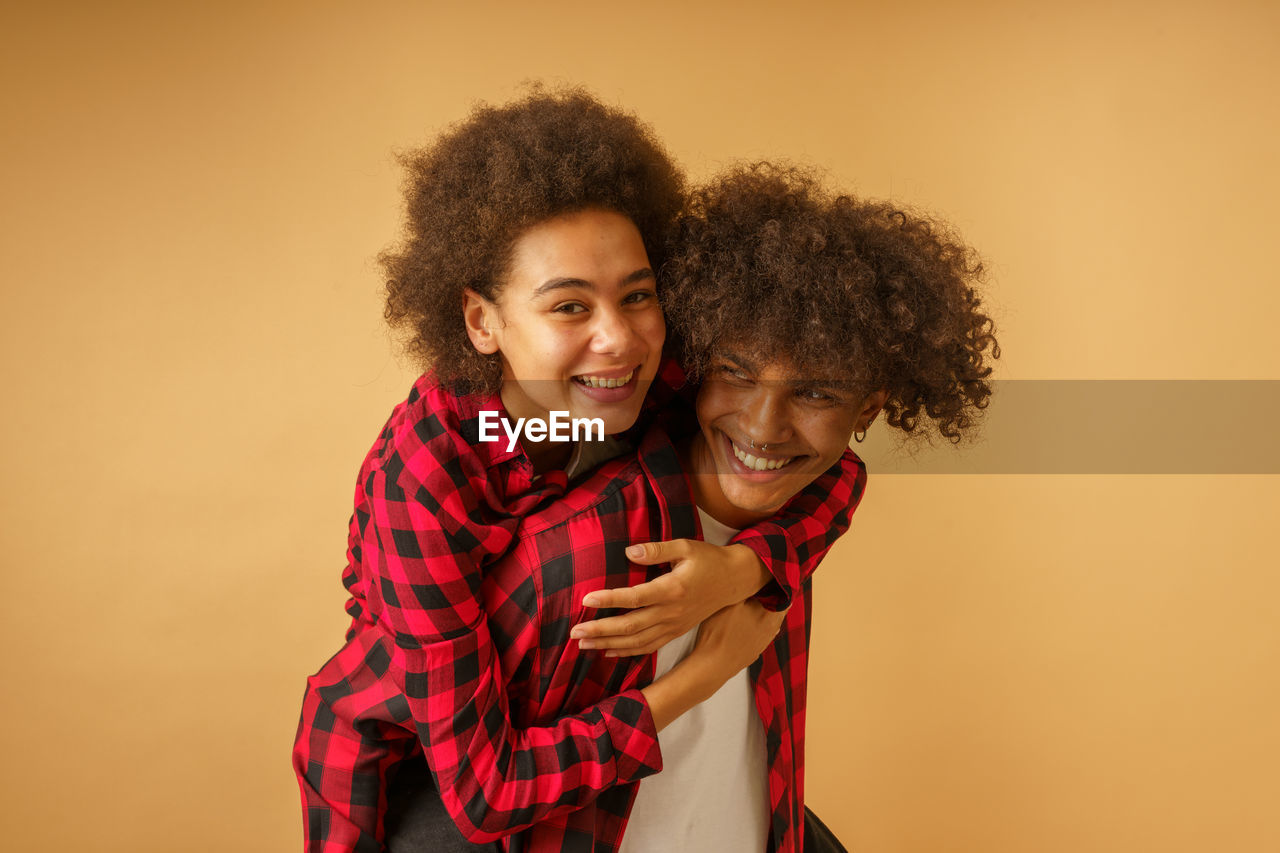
418 823
817 838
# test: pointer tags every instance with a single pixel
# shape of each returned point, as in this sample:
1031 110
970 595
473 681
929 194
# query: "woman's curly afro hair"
843 289
502 170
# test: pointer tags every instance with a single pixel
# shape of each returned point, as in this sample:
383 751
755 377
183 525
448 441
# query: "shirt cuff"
633 735
773 595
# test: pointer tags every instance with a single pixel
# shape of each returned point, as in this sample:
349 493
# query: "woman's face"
577 323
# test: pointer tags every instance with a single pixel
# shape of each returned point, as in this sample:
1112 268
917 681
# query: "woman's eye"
813 395
569 308
638 296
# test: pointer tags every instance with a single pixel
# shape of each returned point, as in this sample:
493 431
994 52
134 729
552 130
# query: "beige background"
195 364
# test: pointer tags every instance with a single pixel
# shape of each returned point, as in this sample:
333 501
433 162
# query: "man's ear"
481 318
871 406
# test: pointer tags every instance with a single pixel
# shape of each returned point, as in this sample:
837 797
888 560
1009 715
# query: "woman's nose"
613 333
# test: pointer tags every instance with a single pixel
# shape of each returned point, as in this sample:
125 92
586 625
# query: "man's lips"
756 462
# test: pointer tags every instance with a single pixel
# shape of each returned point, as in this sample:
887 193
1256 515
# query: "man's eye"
732 374
815 396
569 308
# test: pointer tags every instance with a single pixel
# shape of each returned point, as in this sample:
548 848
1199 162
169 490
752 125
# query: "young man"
804 315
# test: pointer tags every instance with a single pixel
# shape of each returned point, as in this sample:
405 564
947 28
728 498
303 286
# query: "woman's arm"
496 779
768 561
728 641
793 542
363 713
426 669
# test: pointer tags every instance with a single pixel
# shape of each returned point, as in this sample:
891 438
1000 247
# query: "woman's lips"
609 386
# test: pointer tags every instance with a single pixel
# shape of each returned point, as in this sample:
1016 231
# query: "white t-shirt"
713 791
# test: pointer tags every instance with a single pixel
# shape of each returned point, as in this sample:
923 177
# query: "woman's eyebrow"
561 283
642 274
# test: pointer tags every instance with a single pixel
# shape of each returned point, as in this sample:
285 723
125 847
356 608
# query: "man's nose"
766 417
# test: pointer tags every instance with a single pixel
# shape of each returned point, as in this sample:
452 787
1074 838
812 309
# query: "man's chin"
755 505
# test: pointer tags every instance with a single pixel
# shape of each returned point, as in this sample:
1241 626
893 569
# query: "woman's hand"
737 635
703 579
728 641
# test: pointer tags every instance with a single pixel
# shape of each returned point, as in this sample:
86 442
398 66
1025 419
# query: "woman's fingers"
618 627
652 553
629 597
640 643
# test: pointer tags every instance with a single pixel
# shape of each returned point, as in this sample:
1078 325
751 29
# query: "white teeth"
756 464
600 382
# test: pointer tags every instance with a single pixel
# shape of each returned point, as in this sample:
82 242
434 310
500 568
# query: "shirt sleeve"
434 676
495 779
351 736
430 527
374 702
793 542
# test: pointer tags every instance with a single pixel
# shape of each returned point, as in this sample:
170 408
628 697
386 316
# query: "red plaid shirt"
522 730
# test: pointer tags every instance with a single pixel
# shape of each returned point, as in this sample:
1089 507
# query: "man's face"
768 430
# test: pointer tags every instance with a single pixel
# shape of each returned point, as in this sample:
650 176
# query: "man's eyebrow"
741 361
642 274
801 380
828 384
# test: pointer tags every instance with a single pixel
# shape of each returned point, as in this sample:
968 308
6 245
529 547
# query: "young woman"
526 282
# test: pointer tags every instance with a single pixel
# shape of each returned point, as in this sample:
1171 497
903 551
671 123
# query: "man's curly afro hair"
472 192
847 290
